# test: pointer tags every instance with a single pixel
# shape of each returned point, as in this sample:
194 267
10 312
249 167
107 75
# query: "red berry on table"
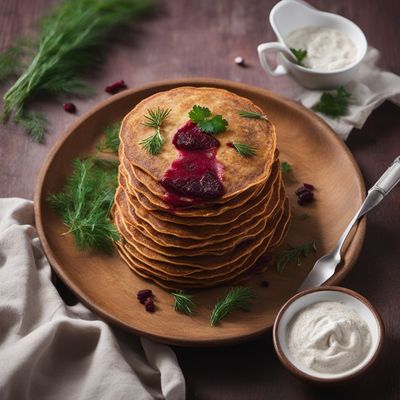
69 107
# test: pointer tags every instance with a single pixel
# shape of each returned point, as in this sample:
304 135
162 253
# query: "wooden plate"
106 285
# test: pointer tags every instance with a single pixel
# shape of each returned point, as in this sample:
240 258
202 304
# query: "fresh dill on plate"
245 150
110 143
294 254
154 119
183 302
252 114
237 297
85 202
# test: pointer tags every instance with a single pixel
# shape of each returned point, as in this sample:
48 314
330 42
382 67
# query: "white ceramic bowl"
328 293
289 15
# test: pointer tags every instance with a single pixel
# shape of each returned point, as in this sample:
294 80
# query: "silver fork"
325 267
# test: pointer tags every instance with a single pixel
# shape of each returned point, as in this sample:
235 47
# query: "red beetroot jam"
191 137
196 175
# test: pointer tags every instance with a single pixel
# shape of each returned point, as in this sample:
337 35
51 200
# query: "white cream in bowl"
329 337
327 49
328 334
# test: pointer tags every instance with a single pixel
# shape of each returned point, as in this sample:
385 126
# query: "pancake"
239 174
198 232
232 276
153 203
202 241
166 239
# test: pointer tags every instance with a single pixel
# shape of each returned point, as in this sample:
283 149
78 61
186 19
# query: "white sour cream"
327 48
329 337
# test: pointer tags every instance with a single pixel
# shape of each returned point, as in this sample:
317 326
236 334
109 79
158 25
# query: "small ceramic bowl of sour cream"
335 46
328 335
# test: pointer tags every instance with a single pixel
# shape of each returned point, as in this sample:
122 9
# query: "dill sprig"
334 104
245 150
183 302
286 167
237 297
84 203
294 254
13 59
70 42
33 122
300 55
252 114
208 123
154 119
110 143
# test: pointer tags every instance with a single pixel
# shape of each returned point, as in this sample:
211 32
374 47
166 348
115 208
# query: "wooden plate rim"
357 240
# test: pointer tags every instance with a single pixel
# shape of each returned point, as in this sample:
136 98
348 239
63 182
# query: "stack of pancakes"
212 242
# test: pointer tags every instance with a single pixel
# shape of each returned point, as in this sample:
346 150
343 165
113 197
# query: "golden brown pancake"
239 174
232 276
166 239
207 242
198 232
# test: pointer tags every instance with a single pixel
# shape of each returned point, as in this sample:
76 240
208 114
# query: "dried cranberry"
191 137
149 305
69 107
309 186
143 295
301 190
116 87
230 144
306 197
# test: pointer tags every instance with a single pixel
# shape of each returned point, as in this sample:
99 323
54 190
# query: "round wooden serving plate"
106 285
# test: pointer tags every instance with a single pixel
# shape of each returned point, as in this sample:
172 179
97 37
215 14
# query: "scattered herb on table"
334 104
208 123
237 297
70 42
294 254
154 119
245 150
110 143
85 203
300 55
252 114
183 302
286 167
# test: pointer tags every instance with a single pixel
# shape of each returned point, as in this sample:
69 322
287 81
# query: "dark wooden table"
201 38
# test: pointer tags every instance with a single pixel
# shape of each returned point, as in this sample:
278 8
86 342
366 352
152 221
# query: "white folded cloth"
49 350
371 88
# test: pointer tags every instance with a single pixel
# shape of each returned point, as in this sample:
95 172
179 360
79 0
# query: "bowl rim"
305 376
310 71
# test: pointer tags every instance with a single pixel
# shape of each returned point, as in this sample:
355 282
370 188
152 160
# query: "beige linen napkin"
49 350
369 90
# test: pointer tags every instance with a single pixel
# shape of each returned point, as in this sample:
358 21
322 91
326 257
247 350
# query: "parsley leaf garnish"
334 104
300 55
209 124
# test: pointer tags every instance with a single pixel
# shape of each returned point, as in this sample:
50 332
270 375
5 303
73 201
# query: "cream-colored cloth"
49 350
371 88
